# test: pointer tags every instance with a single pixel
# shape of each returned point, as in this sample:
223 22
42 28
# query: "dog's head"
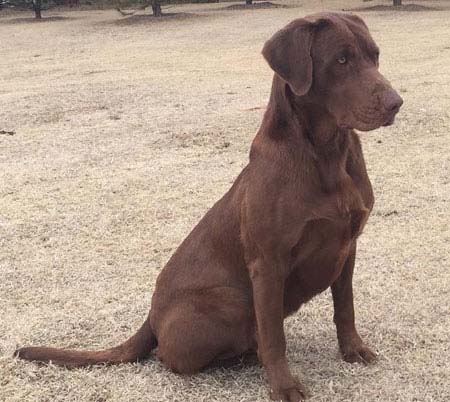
332 60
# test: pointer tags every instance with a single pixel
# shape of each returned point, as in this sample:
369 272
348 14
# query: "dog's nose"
392 101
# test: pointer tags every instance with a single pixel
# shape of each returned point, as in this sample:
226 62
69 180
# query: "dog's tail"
135 348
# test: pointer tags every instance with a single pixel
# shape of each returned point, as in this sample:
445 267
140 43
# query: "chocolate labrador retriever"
287 229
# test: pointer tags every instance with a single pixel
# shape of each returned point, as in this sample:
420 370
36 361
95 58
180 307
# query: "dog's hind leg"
205 327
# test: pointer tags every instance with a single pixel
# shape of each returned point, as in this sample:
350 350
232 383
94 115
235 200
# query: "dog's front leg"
268 288
352 347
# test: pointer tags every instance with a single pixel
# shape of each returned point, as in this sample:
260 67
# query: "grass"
124 135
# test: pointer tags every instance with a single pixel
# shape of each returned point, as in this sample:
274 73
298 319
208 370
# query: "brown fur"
287 229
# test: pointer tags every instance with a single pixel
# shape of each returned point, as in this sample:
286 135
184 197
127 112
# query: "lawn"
125 130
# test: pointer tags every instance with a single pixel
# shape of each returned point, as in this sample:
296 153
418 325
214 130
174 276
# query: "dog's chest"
326 242
318 259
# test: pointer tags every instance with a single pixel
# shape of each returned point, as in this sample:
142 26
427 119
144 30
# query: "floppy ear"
288 54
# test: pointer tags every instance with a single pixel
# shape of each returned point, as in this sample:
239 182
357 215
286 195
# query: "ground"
125 133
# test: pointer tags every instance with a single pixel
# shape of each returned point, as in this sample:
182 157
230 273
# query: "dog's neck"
310 132
310 118
303 117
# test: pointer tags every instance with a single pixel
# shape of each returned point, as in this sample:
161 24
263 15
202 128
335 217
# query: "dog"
286 230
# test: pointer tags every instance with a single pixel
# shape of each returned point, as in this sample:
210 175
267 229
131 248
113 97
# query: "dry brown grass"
125 135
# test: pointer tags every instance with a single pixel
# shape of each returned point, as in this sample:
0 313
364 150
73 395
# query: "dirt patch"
254 6
405 7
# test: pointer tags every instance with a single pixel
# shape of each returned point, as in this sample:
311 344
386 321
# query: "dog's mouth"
390 120
364 125
363 122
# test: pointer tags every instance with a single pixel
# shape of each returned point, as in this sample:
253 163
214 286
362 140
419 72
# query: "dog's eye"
342 60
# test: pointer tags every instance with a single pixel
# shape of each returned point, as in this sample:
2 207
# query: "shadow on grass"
254 6
405 7
143 19
28 20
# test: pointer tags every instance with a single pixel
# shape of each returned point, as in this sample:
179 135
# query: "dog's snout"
392 101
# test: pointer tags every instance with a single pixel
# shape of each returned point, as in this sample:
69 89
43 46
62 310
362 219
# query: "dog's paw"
293 393
358 354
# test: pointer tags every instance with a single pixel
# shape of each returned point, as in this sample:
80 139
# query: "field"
125 131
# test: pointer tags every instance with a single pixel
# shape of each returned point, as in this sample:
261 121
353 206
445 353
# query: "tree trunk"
156 8
37 4
249 2
397 2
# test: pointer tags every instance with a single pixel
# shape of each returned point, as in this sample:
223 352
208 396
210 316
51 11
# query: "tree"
249 2
156 8
37 5
397 2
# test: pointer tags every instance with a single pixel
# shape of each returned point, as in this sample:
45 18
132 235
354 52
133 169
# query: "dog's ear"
288 54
